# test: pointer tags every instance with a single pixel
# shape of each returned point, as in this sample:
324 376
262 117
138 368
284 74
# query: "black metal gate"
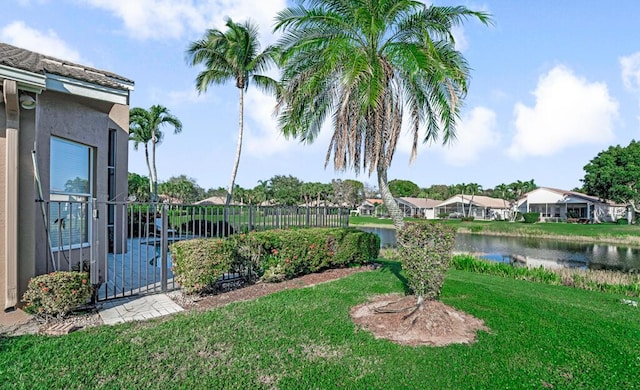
127 243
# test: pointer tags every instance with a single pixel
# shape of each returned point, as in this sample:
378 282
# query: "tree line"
290 190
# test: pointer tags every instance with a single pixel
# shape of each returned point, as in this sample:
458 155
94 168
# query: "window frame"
73 198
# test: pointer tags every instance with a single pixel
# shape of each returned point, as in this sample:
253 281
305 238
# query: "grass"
604 232
541 336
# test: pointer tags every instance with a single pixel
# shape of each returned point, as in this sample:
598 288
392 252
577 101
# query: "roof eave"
76 87
27 81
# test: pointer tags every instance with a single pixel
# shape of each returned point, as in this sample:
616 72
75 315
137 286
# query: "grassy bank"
603 233
541 336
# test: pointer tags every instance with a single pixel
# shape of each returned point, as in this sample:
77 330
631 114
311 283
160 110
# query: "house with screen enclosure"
63 152
560 205
477 206
418 207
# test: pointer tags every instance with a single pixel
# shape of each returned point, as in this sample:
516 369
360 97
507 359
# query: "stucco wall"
3 134
87 122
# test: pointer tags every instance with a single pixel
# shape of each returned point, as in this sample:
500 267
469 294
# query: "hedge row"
272 255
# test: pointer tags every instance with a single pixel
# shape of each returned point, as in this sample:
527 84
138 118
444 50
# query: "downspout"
12 109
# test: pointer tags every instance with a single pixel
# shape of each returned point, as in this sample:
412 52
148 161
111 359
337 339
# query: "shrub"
299 252
531 217
622 221
468 219
199 263
425 250
57 293
443 215
272 255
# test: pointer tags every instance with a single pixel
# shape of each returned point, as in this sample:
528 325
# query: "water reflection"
535 252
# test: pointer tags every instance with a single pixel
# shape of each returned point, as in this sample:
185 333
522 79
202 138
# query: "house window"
70 192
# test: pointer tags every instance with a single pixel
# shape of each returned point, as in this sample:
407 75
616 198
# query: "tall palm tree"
232 55
144 128
361 63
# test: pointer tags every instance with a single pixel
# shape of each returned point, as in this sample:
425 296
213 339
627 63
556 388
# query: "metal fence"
125 245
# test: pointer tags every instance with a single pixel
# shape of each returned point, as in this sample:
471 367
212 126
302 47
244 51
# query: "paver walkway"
137 308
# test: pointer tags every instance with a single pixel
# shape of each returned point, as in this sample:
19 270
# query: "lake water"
536 252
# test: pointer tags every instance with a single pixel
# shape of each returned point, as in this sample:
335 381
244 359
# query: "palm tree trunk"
234 170
387 197
146 154
154 179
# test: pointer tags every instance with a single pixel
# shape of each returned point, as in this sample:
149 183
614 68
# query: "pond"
535 252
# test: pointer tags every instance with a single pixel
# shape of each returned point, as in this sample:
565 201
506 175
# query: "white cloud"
476 132
462 43
159 19
21 35
631 71
188 96
263 139
568 111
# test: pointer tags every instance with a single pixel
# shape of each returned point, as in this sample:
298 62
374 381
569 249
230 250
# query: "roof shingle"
30 61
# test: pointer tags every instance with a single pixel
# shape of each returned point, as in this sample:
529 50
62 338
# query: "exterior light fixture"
27 102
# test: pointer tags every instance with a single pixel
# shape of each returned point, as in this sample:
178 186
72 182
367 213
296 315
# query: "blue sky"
553 84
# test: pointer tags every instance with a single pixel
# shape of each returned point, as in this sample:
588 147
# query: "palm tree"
503 190
473 188
232 55
361 63
144 128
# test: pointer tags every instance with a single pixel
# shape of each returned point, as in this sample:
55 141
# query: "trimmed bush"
199 263
302 251
531 217
425 250
468 219
272 255
57 293
622 221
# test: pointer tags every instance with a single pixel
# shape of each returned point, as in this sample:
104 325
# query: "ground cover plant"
540 336
594 280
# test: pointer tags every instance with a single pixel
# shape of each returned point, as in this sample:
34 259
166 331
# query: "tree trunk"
234 170
154 179
387 197
146 154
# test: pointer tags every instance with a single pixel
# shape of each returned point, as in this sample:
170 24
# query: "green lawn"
541 336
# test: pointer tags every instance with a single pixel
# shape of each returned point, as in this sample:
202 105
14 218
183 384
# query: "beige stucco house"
63 147
558 205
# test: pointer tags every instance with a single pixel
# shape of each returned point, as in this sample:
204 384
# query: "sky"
553 83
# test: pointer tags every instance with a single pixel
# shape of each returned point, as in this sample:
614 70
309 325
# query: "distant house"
64 147
477 206
418 207
555 204
368 206
217 201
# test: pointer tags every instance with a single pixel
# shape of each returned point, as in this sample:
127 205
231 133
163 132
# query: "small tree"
425 250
